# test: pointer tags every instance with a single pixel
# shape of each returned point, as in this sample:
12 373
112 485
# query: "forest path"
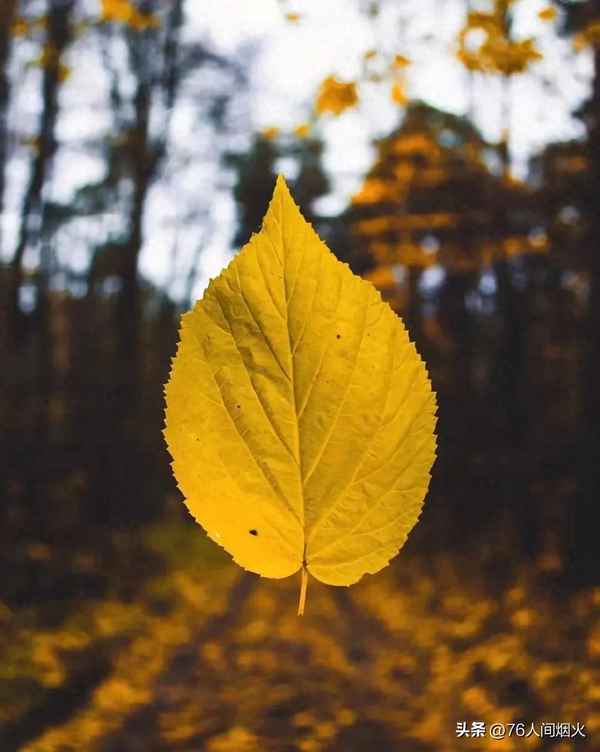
213 658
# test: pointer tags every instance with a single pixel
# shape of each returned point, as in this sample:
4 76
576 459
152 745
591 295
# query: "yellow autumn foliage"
405 253
439 647
335 96
423 221
400 61
270 132
399 94
20 27
547 14
382 276
373 191
412 144
588 37
496 53
302 130
124 11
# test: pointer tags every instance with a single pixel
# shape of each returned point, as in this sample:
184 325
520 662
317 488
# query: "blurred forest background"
122 132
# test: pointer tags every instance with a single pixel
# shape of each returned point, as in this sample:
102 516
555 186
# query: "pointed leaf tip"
282 188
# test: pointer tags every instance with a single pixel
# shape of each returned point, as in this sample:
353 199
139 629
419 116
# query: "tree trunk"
120 506
583 557
510 372
57 39
412 316
7 15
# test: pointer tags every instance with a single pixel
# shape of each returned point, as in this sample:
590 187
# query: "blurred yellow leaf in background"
270 132
299 415
547 14
336 96
123 11
400 61
20 27
302 130
399 94
588 37
485 46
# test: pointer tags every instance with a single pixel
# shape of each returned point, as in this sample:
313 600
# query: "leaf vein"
392 456
308 317
342 401
342 495
300 265
270 482
368 512
324 352
258 397
262 271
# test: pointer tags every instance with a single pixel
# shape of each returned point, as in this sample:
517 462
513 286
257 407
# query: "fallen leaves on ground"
200 662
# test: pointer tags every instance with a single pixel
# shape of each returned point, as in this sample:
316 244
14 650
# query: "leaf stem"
303 586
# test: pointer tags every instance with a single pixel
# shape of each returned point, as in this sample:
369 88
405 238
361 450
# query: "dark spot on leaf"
253 532
338 336
238 407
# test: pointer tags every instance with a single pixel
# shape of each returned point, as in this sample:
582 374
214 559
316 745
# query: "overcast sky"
333 35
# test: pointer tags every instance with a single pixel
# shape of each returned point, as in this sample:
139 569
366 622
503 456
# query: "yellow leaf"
547 14
370 54
399 94
483 45
336 96
589 37
293 17
270 133
123 11
20 27
579 42
117 10
400 61
299 416
302 130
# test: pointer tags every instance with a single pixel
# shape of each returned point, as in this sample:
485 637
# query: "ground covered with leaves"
189 653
